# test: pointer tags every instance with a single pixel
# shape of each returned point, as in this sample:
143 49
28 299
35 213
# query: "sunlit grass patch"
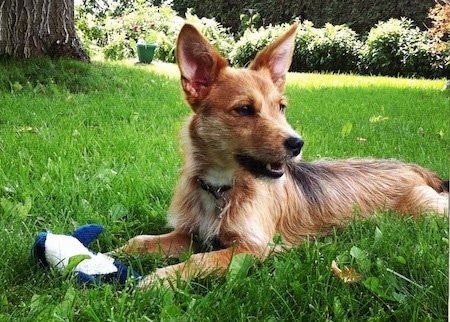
102 147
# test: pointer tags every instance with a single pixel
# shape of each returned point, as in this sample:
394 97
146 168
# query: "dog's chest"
215 193
219 177
211 217
239 220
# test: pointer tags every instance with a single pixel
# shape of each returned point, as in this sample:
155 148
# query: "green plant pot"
145 52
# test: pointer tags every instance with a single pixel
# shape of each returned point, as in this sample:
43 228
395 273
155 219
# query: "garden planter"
145 52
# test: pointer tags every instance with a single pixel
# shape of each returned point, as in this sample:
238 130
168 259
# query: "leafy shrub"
397 48
168 24
137 23
249 19
90 29
303 39
118 47
331 49
217 35
117 36
360 15
252 41
394 48
440 34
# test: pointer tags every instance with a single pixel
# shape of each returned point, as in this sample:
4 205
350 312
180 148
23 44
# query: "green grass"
98 144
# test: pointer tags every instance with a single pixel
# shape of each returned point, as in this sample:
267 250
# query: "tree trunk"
39 27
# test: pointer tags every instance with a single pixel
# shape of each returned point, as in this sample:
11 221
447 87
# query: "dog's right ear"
199 63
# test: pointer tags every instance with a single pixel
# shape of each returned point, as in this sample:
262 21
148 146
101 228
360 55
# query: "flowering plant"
145 34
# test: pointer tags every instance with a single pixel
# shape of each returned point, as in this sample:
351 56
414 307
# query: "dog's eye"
282 108
245 110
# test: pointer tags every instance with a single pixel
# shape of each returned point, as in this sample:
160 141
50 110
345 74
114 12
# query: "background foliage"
360 15
396 47
440 29
332 48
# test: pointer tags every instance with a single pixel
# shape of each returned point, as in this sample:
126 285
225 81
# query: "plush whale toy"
69 254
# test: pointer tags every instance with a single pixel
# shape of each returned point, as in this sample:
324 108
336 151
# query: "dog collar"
218 193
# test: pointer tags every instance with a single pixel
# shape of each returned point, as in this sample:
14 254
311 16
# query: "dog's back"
336 190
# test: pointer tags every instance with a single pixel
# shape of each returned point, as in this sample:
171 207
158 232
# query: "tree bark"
39 27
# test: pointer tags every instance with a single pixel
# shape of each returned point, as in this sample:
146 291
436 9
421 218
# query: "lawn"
98 144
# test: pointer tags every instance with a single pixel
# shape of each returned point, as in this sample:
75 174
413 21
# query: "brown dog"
243 181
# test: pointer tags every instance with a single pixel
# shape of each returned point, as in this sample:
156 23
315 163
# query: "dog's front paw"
147 281
168 277
134 245
153 280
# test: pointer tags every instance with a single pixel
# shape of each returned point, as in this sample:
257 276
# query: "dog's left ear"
277 57
199 63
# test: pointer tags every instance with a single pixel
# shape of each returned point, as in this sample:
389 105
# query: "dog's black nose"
294 144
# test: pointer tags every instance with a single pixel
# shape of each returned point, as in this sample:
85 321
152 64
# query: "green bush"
440 34
397 48
332 49
117 36
119 47
214 31
360 15
394 48
90 29
252 41
138 23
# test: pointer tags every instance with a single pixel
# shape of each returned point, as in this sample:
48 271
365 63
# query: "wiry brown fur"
238 126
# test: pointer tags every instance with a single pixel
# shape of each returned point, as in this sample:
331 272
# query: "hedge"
360 15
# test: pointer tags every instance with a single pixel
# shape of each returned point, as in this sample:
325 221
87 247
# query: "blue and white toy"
52 250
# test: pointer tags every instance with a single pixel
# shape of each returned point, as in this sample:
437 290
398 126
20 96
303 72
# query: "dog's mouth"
261 168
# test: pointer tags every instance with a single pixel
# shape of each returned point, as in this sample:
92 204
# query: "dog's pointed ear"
199 63
277 57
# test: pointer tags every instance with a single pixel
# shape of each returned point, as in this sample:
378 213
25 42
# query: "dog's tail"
440 186
434 181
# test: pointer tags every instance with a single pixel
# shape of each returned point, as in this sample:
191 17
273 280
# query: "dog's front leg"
198 265
172 244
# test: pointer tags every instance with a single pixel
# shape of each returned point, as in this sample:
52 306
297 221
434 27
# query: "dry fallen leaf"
348 275
362 140
25 129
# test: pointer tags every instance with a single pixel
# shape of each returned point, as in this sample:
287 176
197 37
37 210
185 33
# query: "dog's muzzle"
272 168
294 145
